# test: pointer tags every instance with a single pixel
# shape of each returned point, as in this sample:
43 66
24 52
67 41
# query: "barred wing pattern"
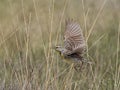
74 40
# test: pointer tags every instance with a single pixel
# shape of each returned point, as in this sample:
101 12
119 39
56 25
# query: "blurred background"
29 29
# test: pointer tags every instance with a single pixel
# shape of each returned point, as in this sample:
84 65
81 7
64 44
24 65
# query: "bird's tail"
87 61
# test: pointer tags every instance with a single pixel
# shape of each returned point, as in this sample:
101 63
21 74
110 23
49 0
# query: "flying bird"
74 45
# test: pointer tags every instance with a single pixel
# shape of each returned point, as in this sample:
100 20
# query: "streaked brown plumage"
74 44
74 40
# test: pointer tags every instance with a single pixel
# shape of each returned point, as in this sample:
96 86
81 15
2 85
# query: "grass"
30 28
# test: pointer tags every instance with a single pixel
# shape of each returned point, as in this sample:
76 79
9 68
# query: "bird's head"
59 49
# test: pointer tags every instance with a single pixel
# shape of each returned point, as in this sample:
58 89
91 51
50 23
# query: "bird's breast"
71 59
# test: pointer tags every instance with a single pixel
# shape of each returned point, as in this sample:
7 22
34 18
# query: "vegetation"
29 29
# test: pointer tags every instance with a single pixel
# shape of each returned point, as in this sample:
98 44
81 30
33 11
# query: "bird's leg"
81 66
78 66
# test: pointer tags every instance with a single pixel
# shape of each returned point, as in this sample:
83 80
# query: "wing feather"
74 40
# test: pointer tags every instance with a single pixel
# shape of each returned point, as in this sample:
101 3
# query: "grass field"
30 28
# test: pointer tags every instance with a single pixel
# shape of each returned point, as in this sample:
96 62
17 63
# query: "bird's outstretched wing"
74 40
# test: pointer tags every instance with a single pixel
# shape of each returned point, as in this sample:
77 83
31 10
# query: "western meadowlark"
74 45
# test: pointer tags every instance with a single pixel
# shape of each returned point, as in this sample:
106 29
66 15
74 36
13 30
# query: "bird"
74 46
